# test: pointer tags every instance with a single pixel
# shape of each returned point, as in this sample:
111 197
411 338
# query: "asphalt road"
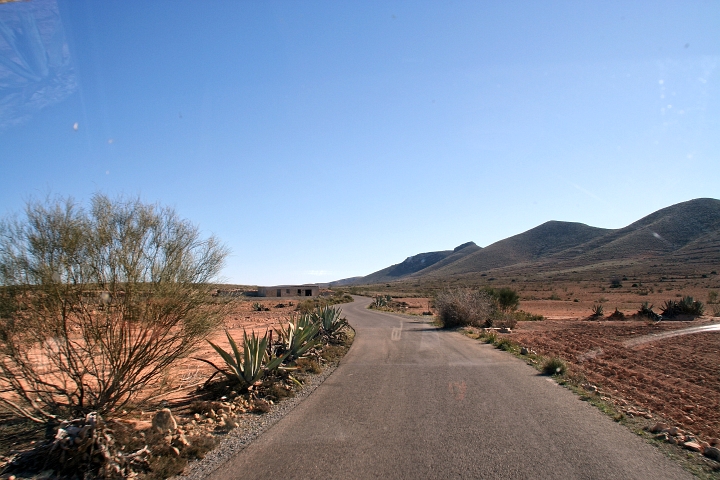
410 401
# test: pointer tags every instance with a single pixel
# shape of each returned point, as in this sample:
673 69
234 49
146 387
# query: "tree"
96 304
508 299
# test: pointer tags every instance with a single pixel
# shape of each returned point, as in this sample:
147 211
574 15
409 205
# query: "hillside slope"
683 234
540 242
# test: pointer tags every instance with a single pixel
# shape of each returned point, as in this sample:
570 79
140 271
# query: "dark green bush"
686 306
554 366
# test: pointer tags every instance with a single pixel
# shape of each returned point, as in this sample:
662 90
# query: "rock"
176 450
524 351
182 440
163 421
714 442
196 416
674 431
660 427
712 452
231 423
694 446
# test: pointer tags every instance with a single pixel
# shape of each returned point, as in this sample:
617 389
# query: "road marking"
396 332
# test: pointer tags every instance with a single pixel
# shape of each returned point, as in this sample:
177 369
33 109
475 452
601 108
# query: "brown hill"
411 265
683 234
540 242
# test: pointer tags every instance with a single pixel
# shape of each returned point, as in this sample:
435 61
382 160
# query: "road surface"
410 401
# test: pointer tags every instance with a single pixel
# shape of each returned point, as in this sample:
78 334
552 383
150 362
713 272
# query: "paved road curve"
409 401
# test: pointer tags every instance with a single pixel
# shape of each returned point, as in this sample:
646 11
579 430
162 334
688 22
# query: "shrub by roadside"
463 307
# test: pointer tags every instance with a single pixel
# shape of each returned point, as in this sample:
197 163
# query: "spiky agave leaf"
253 362
329 318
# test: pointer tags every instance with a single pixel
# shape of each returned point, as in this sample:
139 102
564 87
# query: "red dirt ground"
676 377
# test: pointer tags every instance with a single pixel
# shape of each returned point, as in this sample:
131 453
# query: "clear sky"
323 140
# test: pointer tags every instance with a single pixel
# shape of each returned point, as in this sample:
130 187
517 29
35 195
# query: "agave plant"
299 336
252 364
329 320
598 310
646 310
686 306
382 300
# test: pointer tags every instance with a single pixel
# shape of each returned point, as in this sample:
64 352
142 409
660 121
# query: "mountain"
684 234
540 242
411 265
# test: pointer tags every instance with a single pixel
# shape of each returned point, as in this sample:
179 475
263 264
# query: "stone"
182 440
659 427
163 421
712 452
176 450
694 446
524 351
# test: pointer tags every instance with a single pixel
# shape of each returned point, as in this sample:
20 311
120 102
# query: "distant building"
289 291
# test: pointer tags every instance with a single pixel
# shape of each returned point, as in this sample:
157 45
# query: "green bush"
505 344
686 306
597 311
522 316
554 366
508 299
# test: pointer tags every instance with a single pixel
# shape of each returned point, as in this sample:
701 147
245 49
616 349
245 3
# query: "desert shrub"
259 307
615 283
686 306
96 304
488 337
716 312
554 366
712 297
523 316
508 299
597 311
501 320
646 311
462 307
307 306
617 315
505 344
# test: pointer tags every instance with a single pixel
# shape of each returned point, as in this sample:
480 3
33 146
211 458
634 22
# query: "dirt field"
675 377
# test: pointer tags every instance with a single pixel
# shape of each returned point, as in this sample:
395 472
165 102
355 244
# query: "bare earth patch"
675 377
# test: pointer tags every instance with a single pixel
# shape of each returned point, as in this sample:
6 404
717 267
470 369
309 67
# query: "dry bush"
96 304
462 307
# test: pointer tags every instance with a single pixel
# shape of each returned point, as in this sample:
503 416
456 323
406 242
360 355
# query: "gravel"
250 427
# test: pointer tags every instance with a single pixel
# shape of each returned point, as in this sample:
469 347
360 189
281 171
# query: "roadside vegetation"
97 304
483 308
312 304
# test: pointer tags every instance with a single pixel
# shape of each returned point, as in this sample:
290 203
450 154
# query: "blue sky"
323 140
